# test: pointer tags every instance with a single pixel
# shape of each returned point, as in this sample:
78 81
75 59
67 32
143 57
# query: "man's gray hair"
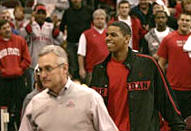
57 50
99 12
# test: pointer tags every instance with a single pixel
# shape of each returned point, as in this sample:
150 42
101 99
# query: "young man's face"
5 31
19 14
124 9
161 19
187 6
115 39
144 4
76 3
184 24
40 16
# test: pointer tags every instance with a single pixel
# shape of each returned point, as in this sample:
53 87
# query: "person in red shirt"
14 60
178 71
92 48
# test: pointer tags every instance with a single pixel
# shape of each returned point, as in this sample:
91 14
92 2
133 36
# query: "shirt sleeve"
101 118
26 120
163 50
82 45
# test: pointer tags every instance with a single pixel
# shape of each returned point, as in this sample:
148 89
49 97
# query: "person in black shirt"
75 20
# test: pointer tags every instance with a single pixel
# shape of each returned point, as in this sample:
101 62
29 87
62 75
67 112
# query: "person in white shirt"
64 105
152 40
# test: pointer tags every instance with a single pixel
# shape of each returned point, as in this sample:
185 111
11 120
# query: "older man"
64 105
92 41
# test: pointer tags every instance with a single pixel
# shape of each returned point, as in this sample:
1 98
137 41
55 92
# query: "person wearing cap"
64 105
41 33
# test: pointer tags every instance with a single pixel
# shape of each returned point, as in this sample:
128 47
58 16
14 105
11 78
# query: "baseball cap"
40 8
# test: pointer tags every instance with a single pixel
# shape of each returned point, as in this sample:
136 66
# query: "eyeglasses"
47 69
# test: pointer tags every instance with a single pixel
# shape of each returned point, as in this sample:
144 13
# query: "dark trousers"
73 59
12 94
184 102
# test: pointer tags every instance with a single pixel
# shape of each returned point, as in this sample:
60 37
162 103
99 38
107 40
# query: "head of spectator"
40 14
144 4
124 9
184 23
99 18
5 29
186 6
161 20
5 14
19 13
117 38
156 7
53 68
77 4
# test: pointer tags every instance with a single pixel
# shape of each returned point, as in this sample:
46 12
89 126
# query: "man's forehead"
114 28
185 16
5 25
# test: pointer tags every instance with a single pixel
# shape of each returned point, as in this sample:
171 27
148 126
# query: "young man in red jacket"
14 60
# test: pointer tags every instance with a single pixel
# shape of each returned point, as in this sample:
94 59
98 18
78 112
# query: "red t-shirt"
118 94
179 63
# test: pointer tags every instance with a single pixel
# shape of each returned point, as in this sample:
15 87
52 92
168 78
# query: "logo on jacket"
70 103
9 51
138 85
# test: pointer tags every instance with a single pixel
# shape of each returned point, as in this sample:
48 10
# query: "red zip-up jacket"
14 57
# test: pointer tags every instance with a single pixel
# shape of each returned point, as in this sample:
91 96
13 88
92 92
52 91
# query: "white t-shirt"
162 34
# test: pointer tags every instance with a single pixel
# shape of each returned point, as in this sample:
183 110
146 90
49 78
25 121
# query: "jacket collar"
128 61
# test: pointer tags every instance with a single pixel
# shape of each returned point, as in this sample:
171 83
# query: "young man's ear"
127 39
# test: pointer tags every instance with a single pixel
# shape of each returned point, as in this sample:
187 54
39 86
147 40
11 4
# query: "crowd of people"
96 65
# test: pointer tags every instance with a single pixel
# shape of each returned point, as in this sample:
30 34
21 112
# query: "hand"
82 73
156 56
146 27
